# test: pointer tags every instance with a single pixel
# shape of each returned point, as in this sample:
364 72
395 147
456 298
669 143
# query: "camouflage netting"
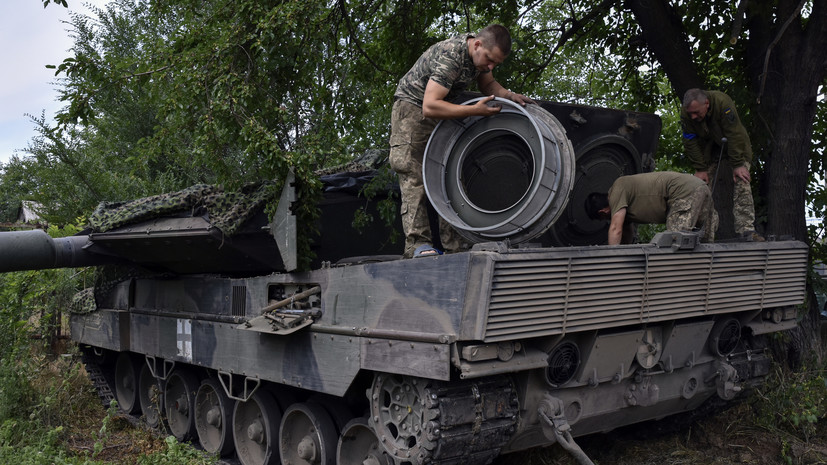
228 211
84 301
107 277
370 160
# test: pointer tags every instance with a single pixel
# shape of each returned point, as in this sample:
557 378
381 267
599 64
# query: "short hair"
496 35
595 202
694 95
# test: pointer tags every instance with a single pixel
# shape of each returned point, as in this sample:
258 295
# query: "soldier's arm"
692 145
738 147
435 106
616 227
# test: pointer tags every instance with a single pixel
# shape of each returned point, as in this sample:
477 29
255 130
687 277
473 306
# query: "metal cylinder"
506 176
36 250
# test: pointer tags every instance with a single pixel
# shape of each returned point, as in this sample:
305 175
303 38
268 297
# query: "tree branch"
577 26
781 31
665 38
355 40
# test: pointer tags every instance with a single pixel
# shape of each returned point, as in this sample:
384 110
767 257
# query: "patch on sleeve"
729 115
689 135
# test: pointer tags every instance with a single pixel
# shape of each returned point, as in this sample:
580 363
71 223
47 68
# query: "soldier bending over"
682 201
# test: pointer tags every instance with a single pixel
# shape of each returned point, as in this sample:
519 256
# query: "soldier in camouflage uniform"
680 200
423 97
707 117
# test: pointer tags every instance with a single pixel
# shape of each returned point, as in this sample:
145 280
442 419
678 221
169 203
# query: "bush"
793 402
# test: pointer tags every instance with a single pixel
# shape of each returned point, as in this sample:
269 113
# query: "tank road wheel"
336 408
179 398
255 429
358 445
307 436
213 415
149 395
126 383
397 407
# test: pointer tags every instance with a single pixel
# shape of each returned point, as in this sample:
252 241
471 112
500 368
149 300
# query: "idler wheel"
506 176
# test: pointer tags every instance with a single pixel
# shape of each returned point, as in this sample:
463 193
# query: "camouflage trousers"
410 132
743 209
697 210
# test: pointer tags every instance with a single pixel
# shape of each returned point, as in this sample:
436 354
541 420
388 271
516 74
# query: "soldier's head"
696 104
490 47
597 206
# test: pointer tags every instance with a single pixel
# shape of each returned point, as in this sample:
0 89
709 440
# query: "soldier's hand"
741 173
481 108
703 175
519 98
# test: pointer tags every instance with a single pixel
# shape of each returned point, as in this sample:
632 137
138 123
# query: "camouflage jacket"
448 63
702 140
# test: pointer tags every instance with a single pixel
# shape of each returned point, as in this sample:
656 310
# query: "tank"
536 335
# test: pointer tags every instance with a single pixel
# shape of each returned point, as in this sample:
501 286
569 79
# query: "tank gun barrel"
36 250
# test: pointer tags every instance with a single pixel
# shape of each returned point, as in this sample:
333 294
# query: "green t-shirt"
647 196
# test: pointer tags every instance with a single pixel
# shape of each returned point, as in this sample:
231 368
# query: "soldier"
680 200
422 98
710 124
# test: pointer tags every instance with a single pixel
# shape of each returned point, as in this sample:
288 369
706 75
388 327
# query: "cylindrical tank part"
36 250
506 176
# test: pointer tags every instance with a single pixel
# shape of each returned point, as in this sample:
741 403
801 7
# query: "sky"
31 37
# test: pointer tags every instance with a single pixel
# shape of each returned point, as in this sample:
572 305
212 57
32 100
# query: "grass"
50 414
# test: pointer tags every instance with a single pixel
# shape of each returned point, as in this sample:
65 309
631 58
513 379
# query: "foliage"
37 392
793 402
176 453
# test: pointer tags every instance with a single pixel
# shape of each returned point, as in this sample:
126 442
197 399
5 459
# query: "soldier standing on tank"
423 97
680 200
712 132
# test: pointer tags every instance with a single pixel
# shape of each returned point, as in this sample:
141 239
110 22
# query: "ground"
722 439
721 434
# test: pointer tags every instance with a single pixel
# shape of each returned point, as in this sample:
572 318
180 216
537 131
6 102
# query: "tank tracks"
464 423
101 383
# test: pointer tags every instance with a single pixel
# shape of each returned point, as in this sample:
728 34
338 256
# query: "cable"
702 230
718 165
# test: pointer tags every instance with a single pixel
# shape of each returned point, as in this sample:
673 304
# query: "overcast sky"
31 37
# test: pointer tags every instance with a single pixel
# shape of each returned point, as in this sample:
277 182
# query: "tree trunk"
786 59
664 37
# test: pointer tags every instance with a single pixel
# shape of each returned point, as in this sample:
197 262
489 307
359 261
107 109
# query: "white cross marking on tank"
184 338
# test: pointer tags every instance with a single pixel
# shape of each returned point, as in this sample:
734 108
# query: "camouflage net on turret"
228 211
84 301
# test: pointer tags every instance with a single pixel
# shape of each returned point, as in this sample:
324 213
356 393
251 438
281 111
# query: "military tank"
534 336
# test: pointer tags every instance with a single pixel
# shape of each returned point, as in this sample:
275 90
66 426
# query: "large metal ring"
506 176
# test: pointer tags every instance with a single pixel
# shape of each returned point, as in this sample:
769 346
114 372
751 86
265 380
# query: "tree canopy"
162 94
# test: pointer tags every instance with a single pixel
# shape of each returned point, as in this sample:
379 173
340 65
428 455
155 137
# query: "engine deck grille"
581 291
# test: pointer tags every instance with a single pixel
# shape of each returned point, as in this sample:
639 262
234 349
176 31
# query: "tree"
166 94
784 63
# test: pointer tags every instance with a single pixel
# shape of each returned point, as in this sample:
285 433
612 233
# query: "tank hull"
644 331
